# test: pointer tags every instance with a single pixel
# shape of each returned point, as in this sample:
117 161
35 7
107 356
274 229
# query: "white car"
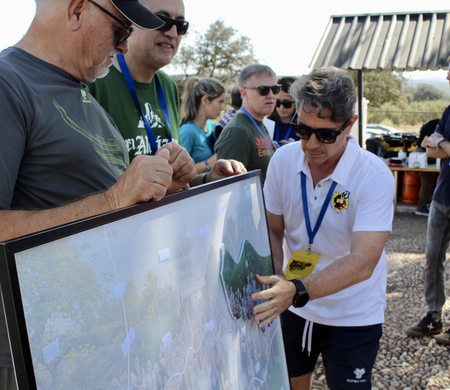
374 130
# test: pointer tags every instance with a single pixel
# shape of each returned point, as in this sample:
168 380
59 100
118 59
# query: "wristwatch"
438 141
301 298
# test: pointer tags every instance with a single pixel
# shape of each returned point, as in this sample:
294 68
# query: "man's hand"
430 142
147 178
225 168
277 299
182 164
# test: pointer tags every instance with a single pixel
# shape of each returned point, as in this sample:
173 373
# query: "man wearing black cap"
62 158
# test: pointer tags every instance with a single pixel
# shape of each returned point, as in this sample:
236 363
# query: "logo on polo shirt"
339 201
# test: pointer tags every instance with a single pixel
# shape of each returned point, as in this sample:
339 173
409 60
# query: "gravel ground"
404 362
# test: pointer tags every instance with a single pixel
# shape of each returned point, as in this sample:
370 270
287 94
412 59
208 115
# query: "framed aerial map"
155 296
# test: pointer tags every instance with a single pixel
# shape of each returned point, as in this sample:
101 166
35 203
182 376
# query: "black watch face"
302 297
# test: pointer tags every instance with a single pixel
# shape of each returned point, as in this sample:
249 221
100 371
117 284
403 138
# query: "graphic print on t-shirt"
107 149
139 144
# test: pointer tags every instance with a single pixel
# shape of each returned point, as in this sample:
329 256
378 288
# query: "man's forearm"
277 253
15 223
442 152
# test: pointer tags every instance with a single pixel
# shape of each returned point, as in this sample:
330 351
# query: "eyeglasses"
127 27
181 25
326 136
284 103
265 89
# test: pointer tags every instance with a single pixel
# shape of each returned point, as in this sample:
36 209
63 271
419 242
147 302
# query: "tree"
426 92
219 53
382 88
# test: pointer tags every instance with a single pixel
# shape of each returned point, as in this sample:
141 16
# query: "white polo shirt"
362 201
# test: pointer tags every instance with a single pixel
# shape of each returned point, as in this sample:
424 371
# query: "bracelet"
208 168
204 179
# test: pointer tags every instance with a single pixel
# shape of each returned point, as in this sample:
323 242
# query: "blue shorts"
348 353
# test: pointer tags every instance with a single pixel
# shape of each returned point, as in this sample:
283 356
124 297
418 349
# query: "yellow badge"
301 264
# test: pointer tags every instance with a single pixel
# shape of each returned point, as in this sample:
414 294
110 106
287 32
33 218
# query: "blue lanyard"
277 131
312 233
271 148
161 99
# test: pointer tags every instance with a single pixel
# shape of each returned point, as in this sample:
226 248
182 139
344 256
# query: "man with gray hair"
245 138
62 157
329 209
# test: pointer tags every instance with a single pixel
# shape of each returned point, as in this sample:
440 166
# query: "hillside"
438 83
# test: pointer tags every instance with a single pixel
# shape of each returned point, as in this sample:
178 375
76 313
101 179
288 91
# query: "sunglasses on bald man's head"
265 89
181 25
326 136
284 103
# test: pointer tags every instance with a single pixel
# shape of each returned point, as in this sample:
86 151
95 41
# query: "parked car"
386 141
373 130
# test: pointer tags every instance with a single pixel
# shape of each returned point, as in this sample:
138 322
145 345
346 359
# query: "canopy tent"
385 42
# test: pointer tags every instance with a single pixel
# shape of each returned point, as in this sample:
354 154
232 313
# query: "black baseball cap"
138 14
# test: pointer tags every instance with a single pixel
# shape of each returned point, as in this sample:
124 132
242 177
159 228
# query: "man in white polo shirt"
330 209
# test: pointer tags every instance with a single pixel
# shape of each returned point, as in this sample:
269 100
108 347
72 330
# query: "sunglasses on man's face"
284 103
128 28
326 136
181 25
265 89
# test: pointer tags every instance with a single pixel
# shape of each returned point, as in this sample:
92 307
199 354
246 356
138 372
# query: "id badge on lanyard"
302 263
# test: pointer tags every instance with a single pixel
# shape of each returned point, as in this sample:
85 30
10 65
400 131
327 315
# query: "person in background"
283 113
203 100
141 98
329 209
427 179
137 375
438 236
245 138
236 103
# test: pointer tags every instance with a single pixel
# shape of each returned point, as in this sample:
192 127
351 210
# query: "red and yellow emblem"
339 201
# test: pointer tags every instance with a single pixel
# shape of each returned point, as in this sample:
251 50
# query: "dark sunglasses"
126 26
326 136
284 103
265 89
181 25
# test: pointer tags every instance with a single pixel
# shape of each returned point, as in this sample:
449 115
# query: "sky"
284 33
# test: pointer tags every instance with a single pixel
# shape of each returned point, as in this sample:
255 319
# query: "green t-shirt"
241 140
113 94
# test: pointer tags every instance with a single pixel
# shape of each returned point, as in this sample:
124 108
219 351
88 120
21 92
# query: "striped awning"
396 42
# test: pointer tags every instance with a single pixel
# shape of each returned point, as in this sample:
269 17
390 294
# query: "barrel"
410 187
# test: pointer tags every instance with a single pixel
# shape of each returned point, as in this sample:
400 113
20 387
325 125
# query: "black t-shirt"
441 193
425 131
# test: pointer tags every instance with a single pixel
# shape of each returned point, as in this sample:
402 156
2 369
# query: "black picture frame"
168 281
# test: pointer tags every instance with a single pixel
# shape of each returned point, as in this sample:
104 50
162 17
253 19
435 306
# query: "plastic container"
410 187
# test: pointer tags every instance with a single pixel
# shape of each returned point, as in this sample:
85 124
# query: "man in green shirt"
139 72
157 94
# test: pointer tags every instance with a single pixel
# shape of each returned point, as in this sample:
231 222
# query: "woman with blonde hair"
203 100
